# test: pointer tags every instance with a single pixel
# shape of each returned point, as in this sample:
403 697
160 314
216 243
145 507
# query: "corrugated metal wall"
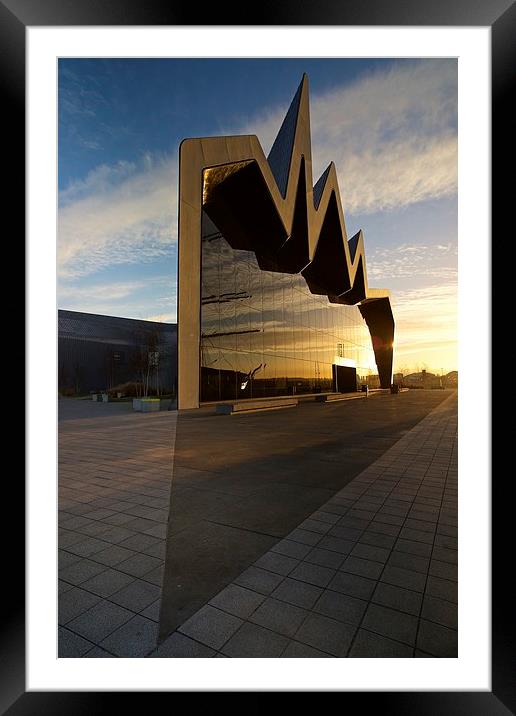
96 353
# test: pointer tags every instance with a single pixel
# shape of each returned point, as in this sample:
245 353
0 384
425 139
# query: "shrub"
126 389
67 392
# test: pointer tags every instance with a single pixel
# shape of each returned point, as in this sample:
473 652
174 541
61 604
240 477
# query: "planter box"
146 405
150 406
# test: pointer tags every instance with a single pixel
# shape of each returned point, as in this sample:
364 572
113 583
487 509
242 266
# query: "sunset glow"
389 125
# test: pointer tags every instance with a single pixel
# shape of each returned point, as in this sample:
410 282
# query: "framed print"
199 531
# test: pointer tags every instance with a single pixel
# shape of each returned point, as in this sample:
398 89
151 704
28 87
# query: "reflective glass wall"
264 334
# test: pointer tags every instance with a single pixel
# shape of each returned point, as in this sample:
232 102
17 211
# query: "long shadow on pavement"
241 483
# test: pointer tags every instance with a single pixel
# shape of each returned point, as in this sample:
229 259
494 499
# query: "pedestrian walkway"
115 470
371 573
242 483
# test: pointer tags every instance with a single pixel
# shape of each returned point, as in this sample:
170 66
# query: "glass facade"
264 334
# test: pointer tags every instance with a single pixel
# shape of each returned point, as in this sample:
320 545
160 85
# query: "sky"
390 126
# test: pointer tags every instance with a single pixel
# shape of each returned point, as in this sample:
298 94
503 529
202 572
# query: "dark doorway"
344 379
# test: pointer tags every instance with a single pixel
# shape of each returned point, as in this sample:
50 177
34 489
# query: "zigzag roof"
333 264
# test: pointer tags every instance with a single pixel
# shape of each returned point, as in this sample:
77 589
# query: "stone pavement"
115 469
371 573
377 558
242 483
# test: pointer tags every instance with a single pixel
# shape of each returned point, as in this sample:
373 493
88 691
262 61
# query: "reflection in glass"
264 334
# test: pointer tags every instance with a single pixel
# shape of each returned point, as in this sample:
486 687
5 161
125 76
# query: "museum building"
273 298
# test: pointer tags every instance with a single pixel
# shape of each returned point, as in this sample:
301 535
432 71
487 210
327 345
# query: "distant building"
427 380
424 379
451 379
99 353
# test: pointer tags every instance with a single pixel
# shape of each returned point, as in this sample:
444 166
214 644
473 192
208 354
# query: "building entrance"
344 379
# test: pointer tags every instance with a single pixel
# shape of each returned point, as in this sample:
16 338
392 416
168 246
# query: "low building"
451 379
100 353
424 380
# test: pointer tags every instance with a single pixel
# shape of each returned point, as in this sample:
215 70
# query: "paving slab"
101 620
253 641
71 645
135 638
211 626
237 600
180 646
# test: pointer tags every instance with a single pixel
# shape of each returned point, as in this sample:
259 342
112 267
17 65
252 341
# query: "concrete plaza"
115 469
325 530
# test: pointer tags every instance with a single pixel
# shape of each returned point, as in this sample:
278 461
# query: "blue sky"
389 125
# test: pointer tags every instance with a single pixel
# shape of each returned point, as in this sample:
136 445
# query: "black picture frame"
15 17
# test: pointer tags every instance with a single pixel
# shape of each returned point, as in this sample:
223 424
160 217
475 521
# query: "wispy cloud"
82 105
391 134
162 317
79 96
413 261
133 299
101 292
119 214
104 178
